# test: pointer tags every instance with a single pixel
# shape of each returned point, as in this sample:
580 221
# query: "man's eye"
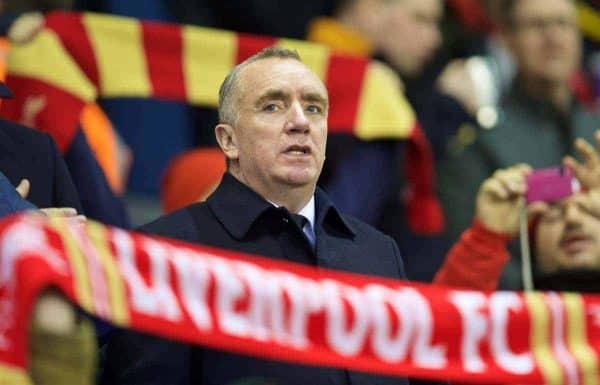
314 109
271 107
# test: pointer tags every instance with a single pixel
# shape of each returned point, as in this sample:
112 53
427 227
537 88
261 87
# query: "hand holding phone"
551 184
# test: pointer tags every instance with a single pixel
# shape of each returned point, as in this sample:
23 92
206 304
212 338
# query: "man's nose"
573 213
297 120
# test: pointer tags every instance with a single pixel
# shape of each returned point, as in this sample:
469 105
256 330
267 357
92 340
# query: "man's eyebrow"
271 95
316 97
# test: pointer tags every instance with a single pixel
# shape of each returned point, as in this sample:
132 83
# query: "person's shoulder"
364 232
21 134
384 254
588 114
180 224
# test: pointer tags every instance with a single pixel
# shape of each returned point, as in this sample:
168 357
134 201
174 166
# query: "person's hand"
68 213
456 81
54 314
588 171
26 27
23 188
500 198
62 345
54 212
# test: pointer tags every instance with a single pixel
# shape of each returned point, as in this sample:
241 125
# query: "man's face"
568 236
545 40
281 130
409 33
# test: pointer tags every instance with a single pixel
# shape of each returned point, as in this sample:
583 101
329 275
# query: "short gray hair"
228 93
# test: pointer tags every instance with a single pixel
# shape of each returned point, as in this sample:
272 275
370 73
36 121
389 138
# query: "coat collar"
237 207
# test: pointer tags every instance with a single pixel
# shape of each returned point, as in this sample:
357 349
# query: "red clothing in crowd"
476 260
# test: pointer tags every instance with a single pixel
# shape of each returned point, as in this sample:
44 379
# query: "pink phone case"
551 184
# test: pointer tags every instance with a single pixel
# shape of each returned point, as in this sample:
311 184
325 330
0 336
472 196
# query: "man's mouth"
575 243
298 150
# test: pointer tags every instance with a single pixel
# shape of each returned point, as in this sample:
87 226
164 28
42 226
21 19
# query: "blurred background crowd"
493 83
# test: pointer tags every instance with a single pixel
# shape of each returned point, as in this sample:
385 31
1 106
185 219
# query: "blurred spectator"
31 159
477 259
564 235
62 347
32 155
539 117
363 177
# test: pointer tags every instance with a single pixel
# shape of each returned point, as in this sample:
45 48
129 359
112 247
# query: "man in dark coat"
32 155
273 131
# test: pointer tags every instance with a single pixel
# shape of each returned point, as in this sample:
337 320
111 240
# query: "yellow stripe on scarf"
83 289
315 56
383 111
116 286
208 55
45 59
540 339
117 43
577 339
589 21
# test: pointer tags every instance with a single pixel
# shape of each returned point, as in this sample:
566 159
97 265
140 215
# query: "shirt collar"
236 206
308 212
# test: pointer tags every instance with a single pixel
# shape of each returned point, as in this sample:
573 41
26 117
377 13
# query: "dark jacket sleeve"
64 193
98 200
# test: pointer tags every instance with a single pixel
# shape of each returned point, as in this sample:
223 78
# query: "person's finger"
587 151
536 208
597 137
578 169
78 219
26 27
23 188
572 163
513 181
64 212
524 168
52 312
495 188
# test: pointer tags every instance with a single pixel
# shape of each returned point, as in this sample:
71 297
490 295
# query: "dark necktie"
299 220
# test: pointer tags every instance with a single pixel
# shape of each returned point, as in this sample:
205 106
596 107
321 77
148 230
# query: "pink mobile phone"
551 184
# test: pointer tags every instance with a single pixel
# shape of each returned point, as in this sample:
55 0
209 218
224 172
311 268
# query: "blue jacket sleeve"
10 201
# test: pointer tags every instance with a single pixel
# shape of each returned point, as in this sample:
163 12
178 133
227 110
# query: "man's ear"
227 140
